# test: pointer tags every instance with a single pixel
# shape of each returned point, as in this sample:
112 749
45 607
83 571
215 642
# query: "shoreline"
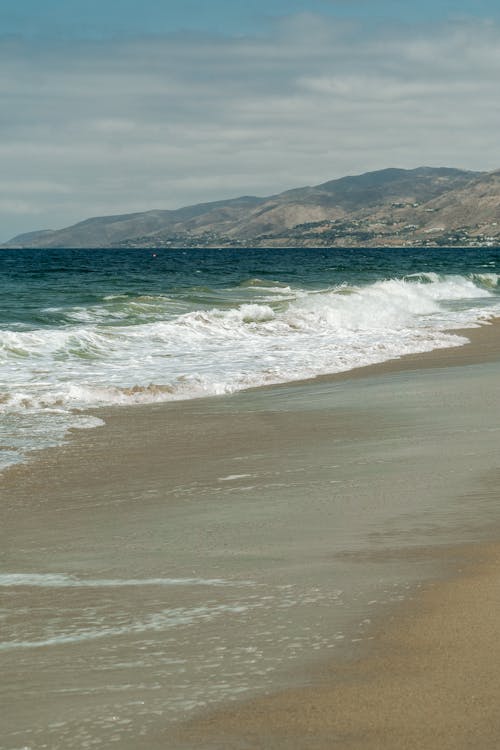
480 348
84 496
428 676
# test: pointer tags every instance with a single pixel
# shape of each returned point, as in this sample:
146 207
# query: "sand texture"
431 681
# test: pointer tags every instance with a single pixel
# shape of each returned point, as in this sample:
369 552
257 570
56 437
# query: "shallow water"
192 554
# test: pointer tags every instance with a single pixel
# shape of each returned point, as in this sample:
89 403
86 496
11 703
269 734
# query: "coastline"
427 679
483 346
91 485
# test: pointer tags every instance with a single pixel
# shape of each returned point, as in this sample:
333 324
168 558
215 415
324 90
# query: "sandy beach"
344 529
429 678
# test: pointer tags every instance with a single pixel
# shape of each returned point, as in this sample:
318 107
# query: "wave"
218 350
260 333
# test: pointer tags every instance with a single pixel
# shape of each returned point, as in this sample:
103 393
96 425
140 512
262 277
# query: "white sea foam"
161 352
233 477
60 580
157 622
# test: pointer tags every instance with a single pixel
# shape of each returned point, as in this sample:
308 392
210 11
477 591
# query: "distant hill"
423 206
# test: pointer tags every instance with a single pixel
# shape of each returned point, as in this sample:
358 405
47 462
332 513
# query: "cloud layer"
95 127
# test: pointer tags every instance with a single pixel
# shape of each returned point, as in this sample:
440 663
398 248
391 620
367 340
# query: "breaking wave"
129 349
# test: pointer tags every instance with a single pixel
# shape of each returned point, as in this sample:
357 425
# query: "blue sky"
125 105
111 17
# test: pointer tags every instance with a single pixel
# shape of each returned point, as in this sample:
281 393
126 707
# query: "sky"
128 105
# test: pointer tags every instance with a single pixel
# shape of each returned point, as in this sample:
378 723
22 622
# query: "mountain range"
426 206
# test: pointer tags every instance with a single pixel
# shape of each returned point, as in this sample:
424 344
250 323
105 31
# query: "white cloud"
103 127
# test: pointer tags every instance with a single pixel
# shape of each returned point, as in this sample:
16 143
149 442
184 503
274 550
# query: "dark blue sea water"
81 329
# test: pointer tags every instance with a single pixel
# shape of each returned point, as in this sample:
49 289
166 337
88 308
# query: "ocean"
85 329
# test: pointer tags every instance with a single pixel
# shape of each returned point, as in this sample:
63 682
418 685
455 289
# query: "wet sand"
430 681
311 483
